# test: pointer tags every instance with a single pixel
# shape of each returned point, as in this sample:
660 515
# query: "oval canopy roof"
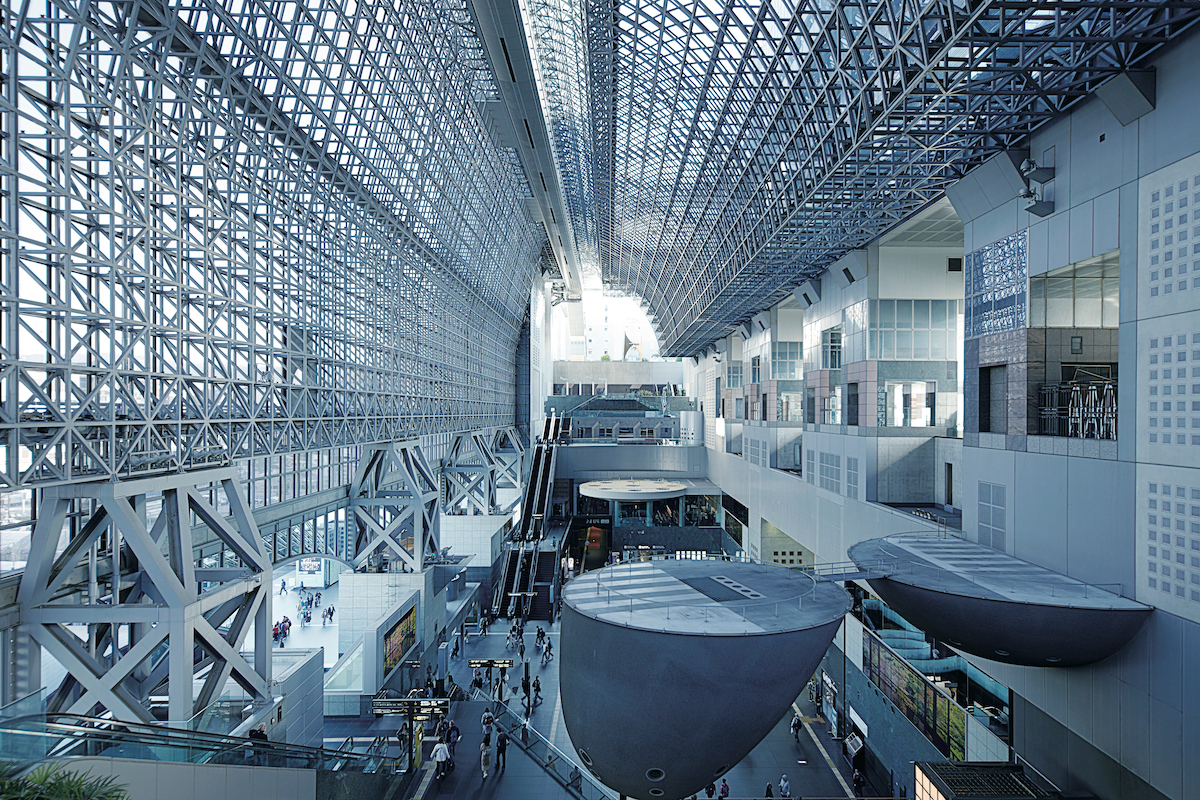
995 606
637 489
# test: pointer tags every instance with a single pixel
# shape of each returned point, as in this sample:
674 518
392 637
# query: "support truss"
510 458
127 612
396 499
737 148
469 475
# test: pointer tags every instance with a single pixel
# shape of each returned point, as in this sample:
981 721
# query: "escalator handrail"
77 728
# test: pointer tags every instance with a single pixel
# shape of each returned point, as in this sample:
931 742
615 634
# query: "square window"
1153 582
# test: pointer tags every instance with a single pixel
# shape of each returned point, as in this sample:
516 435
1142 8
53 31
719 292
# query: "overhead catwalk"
673 670
993 605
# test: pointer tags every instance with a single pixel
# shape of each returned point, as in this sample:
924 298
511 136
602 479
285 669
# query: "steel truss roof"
234 228
738 148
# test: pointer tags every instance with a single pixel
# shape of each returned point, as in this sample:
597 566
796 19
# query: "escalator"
36 739
520 571
541 603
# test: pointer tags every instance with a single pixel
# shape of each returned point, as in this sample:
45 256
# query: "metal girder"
396 499
736 149
240 228
469 475
510 458
155 627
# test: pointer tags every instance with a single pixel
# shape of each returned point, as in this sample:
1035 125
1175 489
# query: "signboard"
422 707
310 565
399 639
484 663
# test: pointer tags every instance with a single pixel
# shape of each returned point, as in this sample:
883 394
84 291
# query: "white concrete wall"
146 780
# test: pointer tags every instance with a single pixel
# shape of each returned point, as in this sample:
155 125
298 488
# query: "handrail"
578 782
36 738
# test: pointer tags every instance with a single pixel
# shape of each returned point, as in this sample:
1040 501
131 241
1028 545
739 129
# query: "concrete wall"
154 779
301 676
585 462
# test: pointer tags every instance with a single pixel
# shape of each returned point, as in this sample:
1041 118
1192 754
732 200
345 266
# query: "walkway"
815 771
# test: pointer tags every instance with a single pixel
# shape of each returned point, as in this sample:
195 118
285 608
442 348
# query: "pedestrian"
441 758
537 691
485 756
259 734
283 587
710 790
768 792
501 747
452 738
785 788
486 722
796 727
724 790
547 652
521 648
859 781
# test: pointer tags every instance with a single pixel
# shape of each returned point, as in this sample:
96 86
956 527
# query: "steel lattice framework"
232 228
741 147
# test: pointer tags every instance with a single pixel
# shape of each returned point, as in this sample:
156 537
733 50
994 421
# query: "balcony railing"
1080 409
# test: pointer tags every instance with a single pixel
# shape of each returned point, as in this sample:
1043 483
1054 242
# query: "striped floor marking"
824 753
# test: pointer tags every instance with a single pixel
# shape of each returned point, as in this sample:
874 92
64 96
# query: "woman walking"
485 757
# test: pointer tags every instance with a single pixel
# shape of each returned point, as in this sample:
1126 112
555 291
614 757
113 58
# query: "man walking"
501 748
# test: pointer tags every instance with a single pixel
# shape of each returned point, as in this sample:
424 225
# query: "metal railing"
576 780
33 739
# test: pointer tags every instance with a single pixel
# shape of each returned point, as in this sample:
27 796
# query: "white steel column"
160 629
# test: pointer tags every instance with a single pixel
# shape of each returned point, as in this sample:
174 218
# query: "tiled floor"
311 636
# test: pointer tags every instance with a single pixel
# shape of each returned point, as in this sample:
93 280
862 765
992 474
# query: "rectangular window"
785 361
755 369
831 348
831 472
993 396
852 404
909 404
992 515
852 478
811 467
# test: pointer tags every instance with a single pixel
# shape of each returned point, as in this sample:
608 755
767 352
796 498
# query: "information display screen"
396 642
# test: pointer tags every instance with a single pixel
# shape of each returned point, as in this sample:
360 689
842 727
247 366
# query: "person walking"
283 587
537 691
769 791
501 747
859 781
452 737
796 727
724 790
521 648
441 757
710 790
785 787
485 756
547 652
486 722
